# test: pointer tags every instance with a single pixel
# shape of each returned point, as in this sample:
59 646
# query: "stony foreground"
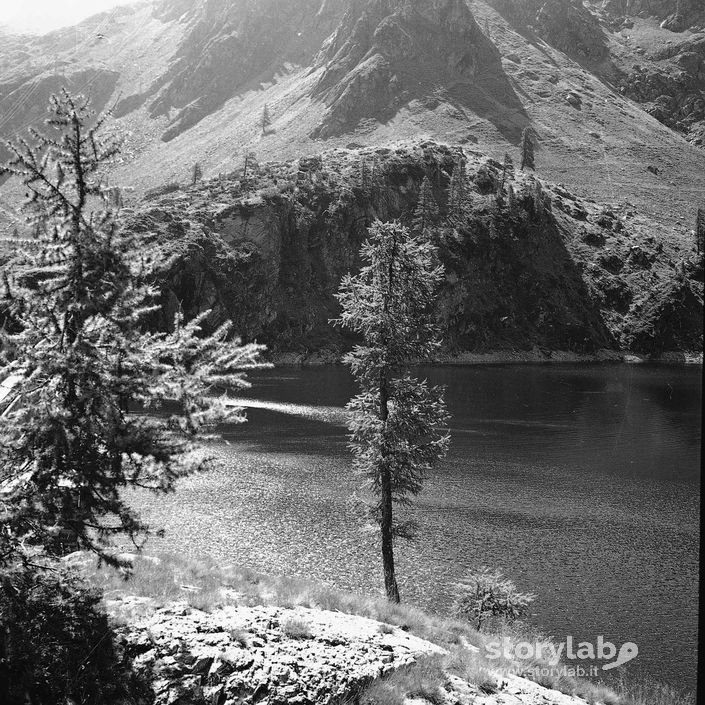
268 654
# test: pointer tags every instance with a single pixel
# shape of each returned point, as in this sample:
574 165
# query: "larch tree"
249 168
85 374
266 119
527 149
426 211
196 173
456 192
507 171
700 231
397 427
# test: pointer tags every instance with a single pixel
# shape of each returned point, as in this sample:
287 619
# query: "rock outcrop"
569 26
537 268
385 53
673 90
674 16
239 655
236 654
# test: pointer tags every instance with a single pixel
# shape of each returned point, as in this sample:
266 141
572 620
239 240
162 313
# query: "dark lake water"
581 483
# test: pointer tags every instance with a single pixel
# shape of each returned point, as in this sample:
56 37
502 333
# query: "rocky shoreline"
507 357
237 655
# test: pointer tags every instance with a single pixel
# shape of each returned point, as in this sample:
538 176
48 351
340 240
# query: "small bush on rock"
487 593
297 628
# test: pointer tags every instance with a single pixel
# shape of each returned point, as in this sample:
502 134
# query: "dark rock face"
541 268
675 16
675 93
387 52
570 27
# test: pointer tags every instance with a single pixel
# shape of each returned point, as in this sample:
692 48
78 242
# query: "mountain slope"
198 75
190 80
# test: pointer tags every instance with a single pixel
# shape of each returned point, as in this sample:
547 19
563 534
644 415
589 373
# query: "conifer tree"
196 173
266 119
507 170
511 200
364 175
537 196
249 167
426 211
396 428
457 191
700 231
84 371
527 149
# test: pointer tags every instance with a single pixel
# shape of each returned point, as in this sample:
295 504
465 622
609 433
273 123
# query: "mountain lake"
579 482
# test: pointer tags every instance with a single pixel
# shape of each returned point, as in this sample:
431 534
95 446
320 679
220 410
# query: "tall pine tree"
266 119
426 211
84 373
396 428
527 149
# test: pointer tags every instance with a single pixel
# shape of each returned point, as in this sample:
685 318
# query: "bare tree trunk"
386 519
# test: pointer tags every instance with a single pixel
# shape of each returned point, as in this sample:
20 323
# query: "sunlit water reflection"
581 483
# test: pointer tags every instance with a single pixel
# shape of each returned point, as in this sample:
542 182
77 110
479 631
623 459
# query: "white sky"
39 16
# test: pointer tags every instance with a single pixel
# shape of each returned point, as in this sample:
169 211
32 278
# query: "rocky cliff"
651 50
528 264
388 52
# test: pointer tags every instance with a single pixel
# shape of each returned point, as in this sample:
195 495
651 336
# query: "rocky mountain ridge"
268 250
367 83
202 71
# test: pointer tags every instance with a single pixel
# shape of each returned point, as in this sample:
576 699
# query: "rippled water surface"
580 483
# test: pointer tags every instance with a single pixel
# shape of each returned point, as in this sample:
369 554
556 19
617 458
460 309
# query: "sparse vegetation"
643 690
297 628
422 679
487 593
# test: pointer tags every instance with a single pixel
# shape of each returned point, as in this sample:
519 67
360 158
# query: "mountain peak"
385 53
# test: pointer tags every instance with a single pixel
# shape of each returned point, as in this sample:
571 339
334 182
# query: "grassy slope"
204 585
601 150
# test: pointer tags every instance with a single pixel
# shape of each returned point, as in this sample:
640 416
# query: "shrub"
55 642
487 593
644 690
470 666
297 628
422 679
